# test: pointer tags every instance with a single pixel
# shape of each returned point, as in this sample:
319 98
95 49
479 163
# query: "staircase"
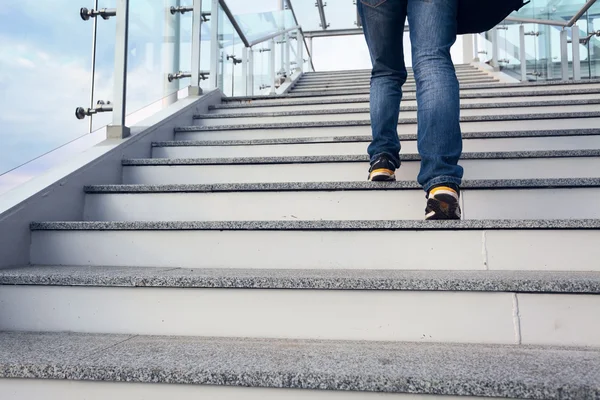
250 258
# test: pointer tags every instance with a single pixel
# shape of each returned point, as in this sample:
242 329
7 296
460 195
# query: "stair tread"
230 102
328 186
402 108
314 279
463 87
402 121
369 138
443 369
323 225
353 158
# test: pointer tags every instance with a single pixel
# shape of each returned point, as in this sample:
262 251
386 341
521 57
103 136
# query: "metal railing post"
272 71
310 51
523 53
171 45
476 47
564 55
299 51
118 130
245 69
495 50
194 89
214 44
286 48
250 79
576 56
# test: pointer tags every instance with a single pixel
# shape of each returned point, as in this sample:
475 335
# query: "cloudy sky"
45 65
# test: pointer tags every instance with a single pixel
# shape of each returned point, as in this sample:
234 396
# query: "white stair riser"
356 148
403 115
585 167
19 389
466 127
367 77
556 250
301 314
413 103
339 205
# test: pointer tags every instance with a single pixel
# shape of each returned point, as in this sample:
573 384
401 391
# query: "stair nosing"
337 226
307 279
353 158
548 84
228 103
474 106
481 184
368 138
404 121
506 370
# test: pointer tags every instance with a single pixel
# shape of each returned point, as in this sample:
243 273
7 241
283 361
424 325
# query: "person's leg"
432 33
383 25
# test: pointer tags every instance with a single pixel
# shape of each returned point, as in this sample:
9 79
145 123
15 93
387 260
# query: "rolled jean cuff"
440 180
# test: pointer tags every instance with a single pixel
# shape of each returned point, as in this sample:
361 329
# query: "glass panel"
257 26
45 59
591 51
156 49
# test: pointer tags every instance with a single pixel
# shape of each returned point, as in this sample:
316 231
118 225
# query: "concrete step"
345 115
539 122
509 165
411 305
218 368
365 88
479 90
549 245
350 77
576 199
407 105
467 87
508 94
358 146
354 82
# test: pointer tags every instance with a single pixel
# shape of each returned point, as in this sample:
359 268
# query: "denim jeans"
432 32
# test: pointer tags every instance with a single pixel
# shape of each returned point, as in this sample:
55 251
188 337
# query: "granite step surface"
229 102
312 279
490 184
353 158
548 85
367 138
311 205
397 225
366 110
551 245
401 121
416 368
411 84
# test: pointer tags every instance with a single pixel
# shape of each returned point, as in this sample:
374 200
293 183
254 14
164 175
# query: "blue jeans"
432 33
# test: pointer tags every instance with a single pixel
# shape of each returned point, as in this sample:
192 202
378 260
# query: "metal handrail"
550 22
289 5
272 35
577 16
233 21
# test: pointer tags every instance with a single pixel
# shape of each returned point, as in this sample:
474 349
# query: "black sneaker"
442 202
382 170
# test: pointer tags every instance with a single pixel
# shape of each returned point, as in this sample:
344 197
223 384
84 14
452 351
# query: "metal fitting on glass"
181 75
234 59
584 41
263 87
105 13
182 10
533 33
263 50
81 112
